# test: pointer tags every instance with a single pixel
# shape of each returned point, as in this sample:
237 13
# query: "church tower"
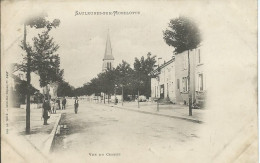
108 60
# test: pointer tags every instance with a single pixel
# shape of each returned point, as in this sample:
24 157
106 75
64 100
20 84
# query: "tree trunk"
104 98
48 92
189 91
28 77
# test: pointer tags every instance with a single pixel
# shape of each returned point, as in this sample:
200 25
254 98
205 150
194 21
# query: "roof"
157 70
108 52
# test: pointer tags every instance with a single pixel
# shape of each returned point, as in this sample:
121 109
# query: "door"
162 91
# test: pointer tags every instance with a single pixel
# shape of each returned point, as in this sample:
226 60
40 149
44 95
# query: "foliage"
142 68
123 76
183 34
20 90
40 21
65 89
43 59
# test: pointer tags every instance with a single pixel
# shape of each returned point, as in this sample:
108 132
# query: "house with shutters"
197 76
163 81
170 80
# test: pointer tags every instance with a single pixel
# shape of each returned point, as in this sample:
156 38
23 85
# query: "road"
99 131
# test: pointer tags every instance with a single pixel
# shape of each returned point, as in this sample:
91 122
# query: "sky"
82 38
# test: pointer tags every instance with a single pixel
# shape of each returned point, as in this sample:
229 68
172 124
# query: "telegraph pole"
28 77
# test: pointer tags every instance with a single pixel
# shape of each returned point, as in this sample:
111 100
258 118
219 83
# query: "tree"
184 35
65 89
45 61
141 79
123 75
38 22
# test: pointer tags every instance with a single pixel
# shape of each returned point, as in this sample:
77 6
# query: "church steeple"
108 56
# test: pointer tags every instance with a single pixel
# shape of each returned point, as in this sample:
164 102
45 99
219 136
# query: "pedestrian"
58 101
46 110
53 106
56 105
64 103
116 101
76 104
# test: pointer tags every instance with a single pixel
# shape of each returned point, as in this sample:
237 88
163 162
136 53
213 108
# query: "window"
109 65
200 82
178 83
199 57
185 84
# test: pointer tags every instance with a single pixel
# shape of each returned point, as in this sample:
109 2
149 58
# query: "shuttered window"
185 84
201 82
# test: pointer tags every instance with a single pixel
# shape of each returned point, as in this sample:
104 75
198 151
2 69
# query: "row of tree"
41 57
123 77
182 34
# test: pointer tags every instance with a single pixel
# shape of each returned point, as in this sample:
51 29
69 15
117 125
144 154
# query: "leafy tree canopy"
183 34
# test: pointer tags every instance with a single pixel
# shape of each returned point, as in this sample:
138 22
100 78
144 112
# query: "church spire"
108 52
108 60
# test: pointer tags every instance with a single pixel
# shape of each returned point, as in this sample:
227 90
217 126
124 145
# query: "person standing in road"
46 109
76 104
64 103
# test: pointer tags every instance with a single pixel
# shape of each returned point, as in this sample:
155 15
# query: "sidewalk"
41 136
167 110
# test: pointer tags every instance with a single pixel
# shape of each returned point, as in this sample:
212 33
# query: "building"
197 76
200 76
163 81
170 80
18 87
108 60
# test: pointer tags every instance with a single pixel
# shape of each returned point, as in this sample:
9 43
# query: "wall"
181 71
165 77
104 67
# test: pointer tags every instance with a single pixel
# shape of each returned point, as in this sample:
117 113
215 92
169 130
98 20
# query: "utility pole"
28 77
104 97
189 92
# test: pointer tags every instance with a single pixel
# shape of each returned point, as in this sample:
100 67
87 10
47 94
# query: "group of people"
49 108
55 105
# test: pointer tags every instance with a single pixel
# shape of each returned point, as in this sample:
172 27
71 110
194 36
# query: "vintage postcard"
129 81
